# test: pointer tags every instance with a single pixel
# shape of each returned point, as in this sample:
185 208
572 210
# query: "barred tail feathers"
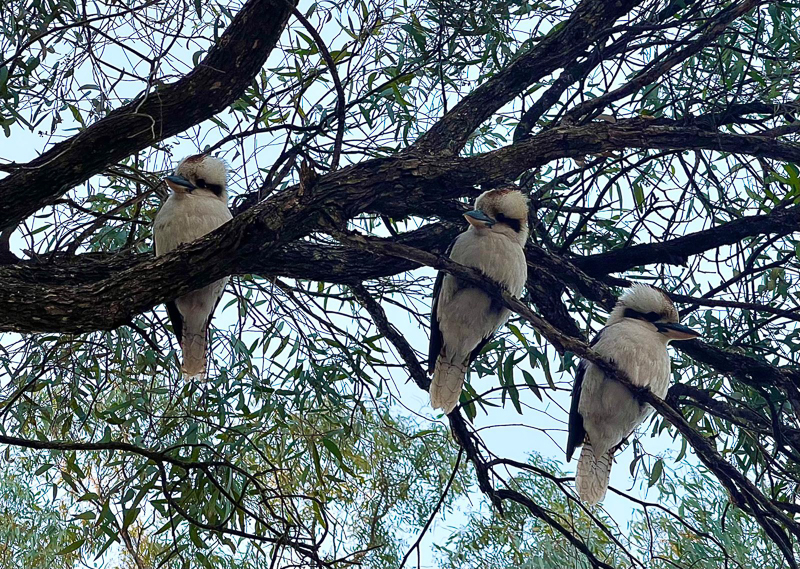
591 478
196 308
446 385
193 347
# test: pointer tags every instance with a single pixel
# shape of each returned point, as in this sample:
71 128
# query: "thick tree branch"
733 113
305 260
780 221
589 23
398 186
743 491
336 264
217 81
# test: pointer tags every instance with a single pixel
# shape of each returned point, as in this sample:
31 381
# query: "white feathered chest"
495 255
186 217
466 314
610 412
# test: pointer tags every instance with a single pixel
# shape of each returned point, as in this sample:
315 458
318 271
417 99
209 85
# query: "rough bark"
398 186
218 80
588 24
780 221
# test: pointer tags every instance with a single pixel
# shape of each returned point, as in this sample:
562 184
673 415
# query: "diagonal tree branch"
589 23
398 186
744 492
465 438
780 221
218 80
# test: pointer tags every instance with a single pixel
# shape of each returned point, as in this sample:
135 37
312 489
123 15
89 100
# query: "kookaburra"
603 412
197 205
464 317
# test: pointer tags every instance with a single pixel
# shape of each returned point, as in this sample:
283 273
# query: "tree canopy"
658 143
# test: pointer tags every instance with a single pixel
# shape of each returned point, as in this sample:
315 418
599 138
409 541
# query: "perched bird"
463 317
603 411
196 206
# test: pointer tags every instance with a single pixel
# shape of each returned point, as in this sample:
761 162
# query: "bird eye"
512 223
201 183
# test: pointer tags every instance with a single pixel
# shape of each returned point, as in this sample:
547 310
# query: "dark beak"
479 219
677 331
180 182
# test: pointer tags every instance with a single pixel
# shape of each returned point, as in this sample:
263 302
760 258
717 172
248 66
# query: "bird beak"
179 184
478 219
677 331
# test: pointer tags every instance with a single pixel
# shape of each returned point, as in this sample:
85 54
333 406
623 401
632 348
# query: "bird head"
199 175
504 211
651 305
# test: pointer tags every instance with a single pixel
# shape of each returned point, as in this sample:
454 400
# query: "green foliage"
306 446
692 524
36 532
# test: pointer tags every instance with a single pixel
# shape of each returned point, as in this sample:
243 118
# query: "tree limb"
780 221
589 23
397 187
218 80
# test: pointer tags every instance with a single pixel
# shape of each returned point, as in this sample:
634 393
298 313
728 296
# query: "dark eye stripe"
215 188
648 317
512 223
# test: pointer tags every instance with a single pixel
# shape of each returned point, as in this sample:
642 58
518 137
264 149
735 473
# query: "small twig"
145 336
340 96
743 491
435 511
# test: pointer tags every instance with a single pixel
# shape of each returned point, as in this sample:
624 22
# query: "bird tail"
193 347
591 479
446 385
